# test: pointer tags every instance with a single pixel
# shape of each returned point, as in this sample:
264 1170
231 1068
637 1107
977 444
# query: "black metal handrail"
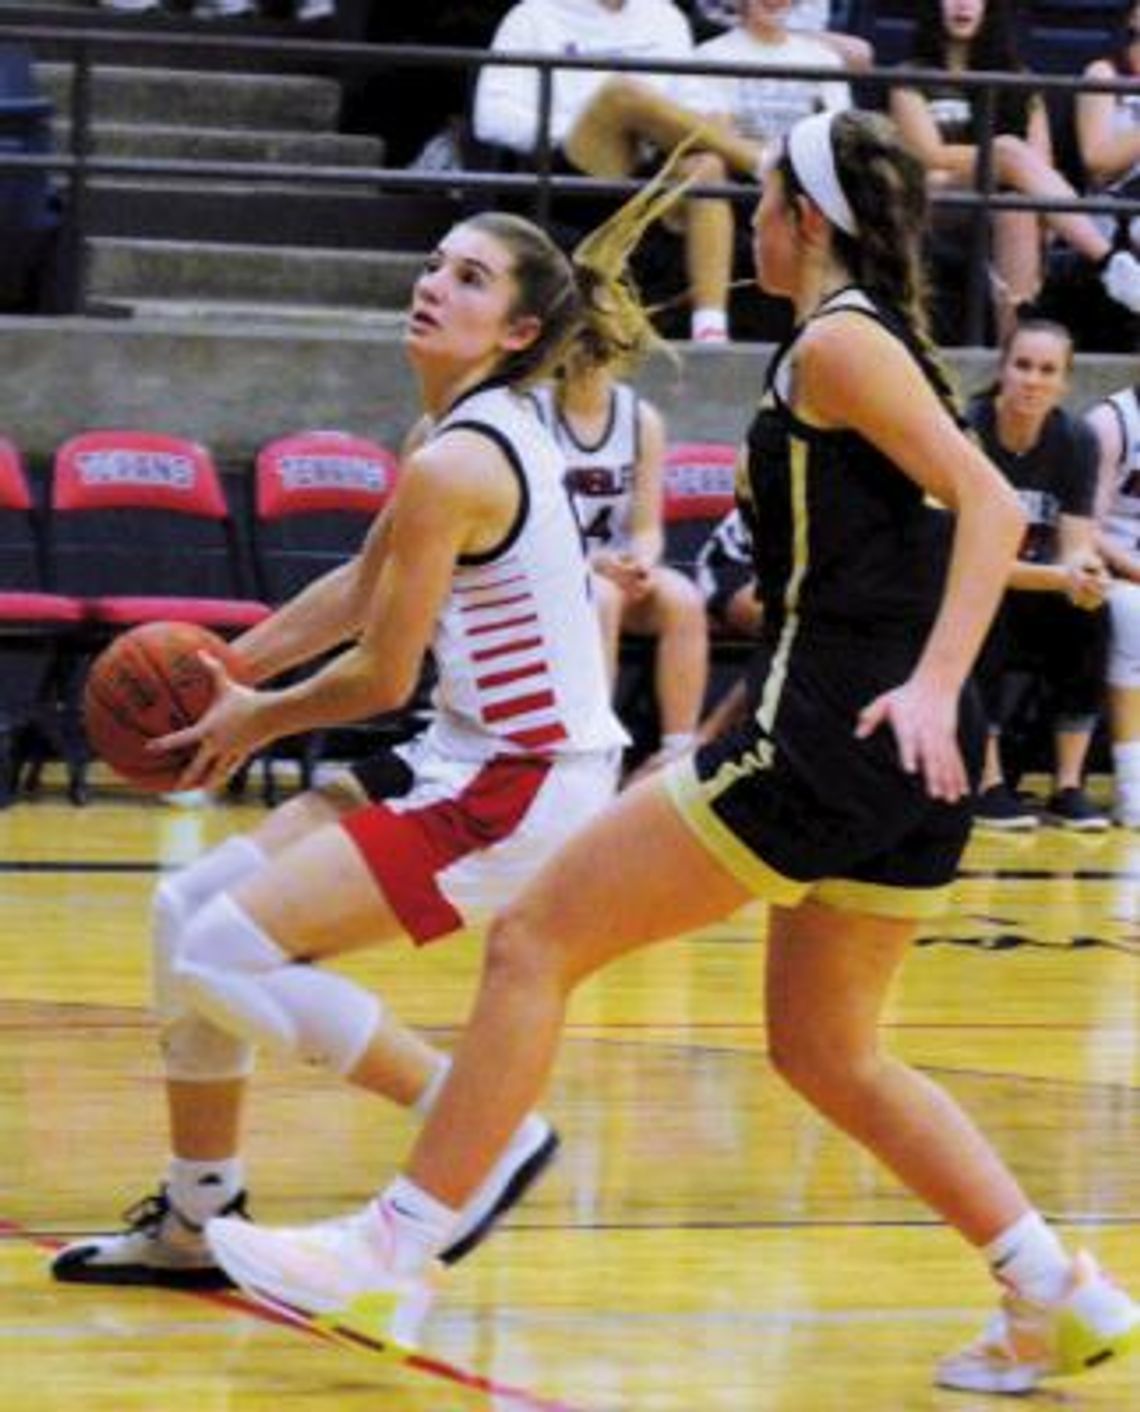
88 47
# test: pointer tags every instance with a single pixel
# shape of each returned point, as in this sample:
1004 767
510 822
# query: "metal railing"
89 48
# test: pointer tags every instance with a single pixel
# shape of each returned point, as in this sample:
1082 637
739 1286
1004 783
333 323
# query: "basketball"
148 682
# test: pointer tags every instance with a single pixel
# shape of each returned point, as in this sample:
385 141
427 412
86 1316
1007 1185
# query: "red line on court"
525 1400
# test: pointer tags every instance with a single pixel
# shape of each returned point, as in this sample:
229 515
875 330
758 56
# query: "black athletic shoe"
531 1151
1000 807
159 1247
1072 809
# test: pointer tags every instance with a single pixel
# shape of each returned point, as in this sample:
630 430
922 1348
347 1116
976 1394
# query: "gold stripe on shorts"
918 904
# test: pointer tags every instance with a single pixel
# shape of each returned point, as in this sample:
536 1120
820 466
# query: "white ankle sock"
1029 1257
1126 778
418 1224
200 1189
709 323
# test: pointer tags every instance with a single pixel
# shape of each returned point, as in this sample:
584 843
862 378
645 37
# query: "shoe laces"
147 1216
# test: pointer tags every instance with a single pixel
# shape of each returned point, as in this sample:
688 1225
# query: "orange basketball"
148 682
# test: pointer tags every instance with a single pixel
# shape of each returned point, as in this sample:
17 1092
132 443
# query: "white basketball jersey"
517 645
1122 520
599 478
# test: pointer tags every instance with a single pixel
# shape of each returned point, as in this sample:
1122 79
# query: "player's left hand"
924 720
226 735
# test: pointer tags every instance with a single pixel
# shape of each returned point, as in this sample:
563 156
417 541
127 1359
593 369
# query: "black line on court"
77 865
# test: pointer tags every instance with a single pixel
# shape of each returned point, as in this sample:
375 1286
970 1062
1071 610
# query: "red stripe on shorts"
405 852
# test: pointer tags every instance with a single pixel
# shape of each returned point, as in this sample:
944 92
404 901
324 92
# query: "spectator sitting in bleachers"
1108 129
614 444
764 107
813 17
1115 422
1052 626
942 125
605 125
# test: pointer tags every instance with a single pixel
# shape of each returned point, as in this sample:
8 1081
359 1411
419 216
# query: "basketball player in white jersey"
1115 422
614 444
479 560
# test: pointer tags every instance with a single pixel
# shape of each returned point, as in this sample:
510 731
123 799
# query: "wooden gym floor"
704 1244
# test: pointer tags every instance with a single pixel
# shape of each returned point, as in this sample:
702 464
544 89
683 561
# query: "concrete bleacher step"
194 98
210 144
182 273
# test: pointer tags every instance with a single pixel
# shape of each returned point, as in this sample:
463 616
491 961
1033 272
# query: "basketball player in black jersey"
844 803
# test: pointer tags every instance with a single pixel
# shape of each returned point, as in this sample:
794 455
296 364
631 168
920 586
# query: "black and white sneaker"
160 1247
1071 808
1002 808
530 1152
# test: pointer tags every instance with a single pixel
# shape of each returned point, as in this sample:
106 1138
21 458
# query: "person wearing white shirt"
604 124
765 106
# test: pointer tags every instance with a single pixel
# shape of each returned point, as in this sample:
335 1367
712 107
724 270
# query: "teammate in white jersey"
1115 422
613 441
477 558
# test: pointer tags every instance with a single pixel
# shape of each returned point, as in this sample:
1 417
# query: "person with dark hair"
1108 129
844 802
1052 627
941 124
478 559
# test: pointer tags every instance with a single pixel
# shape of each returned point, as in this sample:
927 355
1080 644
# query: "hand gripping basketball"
149 682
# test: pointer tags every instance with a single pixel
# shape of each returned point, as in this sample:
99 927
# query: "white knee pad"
179 896
234 975
192 1048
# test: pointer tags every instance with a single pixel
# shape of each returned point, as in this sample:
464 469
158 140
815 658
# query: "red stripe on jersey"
506 623
405 852
487 604
533 669
518 706
485 585
538 737
521 644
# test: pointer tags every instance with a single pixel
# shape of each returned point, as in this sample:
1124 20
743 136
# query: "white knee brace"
234 975
193 1049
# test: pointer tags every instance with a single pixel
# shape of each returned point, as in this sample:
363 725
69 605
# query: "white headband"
813 160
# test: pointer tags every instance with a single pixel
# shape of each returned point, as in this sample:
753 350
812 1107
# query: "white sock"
1126 771
677 742
418 1224
1029 1257
434 1087
200 1189
709 323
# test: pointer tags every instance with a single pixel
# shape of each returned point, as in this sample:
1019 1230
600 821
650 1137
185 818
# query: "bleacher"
273 293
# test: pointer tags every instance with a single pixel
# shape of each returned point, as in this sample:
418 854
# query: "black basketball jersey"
843 539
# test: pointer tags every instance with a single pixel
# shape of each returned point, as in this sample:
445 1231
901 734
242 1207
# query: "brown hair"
587 304
885 186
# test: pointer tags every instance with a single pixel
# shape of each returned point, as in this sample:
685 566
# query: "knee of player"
524 953
814 1062
680 599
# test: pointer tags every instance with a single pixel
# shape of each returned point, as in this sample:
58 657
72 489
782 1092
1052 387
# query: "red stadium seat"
38 631
700 479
